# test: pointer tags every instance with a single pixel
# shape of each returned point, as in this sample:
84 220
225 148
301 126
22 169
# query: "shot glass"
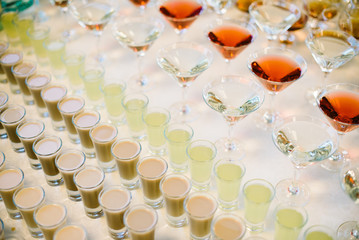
27 200
68 107
83 122
7 16
22 21
36 83
93 78
37 34
49 218
135 105
201 154
4 101
113 91
200 208
51 95
55 48
103 136
2 163
115 200
316 232
75 231
178 136
46 150
140 221
74 63
70 161
127 153
2 230
89 181
175 188
228 174
10 58
258 195
151 170
289 221
29 131
10 118
228 226
21 71
4 45
156 120
11 179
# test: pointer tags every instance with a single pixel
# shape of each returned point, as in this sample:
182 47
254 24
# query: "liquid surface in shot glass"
317 235
134 114
258 194
228 228
200 154
229 181
288 224
70 232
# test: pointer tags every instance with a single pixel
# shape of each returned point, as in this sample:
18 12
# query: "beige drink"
72 232
151 171
28 132
175 189
4 100
127 153
68 107
51 95
49 218
11 179
200 208
27 200
2 161
83 122
89 181
227 226
141 221
46 150
21 71
115 201
36 83
7 60
68 162
103 136
11 118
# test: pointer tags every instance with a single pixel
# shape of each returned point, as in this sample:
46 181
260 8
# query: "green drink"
23 23
178 136
229 174
258 194
201 154
319 232
93 78
113 93
38 34
74 63
9 28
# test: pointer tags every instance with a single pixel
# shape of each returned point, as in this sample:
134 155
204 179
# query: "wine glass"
230 37
320 11
138 34
63 5
330 49
348 231
181 13
340 105
184 62
305 140
276 69
274 17
235 97
94 15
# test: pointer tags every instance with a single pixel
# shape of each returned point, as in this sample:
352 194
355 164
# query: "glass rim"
141 206
115 187
40 123
31 30
86 111
126 140
279 3
47 41
32 70
132 96
56 224
21 180
178 126
12 51
157 110
93 168
29 187
299 209
70 225
6 100
229 161
212 147
152 157
73 53
45 74
95 140
70 150
48 86
3 157
6 47
175 175
327 230
66 97
13 106
59 140
233 216
206 194
91 67
263 182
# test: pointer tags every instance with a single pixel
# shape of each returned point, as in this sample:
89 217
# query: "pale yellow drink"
319 232
38 34
9 27
55 49
93 78
113 93
23 23
74 63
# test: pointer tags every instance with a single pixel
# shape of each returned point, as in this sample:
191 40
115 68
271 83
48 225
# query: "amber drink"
21 71
7 60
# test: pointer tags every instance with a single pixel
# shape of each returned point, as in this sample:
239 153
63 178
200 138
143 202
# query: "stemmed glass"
320 10
305 140
230 37
63 4
184 62
181 13
141 4
235 97
276 69
219 6
94 15
340 105
348 231
274 17
138 34
330 49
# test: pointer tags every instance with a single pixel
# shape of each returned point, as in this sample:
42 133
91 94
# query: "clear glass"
38 34
7 16
348 231
113 91
4 45
74 61
8 59
220 7
21 71
93 78
23 21
348 18
4 101
348 176
320 12
72 230
319 232
55 48
228 225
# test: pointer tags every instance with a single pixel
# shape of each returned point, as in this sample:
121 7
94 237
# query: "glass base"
74 138
36 233
140 83
18 147
118 234
228 206
335 162
158 151
200 187
285 192
255 228
206 237
94 213
312 95
14 214
229 148
177 222
58 126
130 185
266 119
74 195
286 38
184 112
35 164
107 167
3 135
156 204
54 182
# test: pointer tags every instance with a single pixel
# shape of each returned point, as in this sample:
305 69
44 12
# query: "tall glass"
4 101
21 71
23 21
38 34
7 16
113 91
8 59
4 45
93 78
74 63
55 48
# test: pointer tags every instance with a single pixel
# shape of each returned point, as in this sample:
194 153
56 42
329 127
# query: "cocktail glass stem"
142 80
99 57
230 144
270 114
185 108
66 32
293 188
325 78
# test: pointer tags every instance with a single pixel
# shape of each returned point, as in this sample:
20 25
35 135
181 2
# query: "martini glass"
140 4
181 13
235 97
330 49
340 105
276 69
320 11
184 62
94 15
230 37
138 34
305 140
219 6
348 231
274 17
